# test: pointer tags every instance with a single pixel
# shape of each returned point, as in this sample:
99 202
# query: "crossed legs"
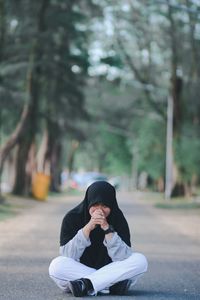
64 269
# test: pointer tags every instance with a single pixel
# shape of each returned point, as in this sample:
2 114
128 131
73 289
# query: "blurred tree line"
86 85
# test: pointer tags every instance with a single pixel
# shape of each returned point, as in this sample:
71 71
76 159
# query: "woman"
95 248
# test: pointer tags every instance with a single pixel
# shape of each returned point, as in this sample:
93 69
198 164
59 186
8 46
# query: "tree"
141 51
53 95
23 179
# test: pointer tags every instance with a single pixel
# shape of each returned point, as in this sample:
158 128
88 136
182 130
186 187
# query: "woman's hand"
97 218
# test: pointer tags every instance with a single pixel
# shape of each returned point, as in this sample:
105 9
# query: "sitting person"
95 248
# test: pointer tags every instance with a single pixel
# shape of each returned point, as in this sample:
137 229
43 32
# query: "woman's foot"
80 287
120 288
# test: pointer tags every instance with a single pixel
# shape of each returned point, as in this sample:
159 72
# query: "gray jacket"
117 249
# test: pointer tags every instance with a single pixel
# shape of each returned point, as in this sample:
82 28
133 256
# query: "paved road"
29 241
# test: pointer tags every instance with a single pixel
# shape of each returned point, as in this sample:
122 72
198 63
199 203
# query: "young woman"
95 248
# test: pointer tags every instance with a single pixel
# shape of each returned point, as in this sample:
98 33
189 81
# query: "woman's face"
105 209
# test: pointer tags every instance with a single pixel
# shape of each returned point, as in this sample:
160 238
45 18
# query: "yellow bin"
40 186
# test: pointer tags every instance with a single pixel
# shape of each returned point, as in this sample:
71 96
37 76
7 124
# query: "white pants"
63 269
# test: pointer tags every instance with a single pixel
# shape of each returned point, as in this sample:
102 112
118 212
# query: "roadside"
181 215
14 205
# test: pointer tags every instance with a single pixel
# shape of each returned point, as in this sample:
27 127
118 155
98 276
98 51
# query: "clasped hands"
97 218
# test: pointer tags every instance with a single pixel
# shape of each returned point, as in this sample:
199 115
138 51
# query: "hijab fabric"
96 255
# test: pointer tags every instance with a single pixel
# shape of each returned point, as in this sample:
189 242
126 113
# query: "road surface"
169 239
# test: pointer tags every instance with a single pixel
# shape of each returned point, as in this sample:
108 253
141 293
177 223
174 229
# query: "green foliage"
178 205
187 156
105 152
151 148
118 157
6 211
61 44
114 61
133 50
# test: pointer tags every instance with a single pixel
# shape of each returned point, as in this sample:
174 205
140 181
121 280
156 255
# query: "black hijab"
96 255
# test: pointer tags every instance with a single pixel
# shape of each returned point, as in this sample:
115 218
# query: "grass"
177 204
67 192
11 205
6 211
151 197
74 192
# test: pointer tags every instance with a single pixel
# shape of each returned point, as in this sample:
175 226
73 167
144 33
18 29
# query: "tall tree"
23 180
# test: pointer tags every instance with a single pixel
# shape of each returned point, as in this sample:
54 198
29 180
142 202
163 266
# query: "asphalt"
30 240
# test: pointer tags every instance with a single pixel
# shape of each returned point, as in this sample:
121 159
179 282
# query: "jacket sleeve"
117 248
76 246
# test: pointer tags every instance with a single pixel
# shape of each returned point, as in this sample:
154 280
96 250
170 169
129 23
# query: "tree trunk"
193 22
74 147
14 139
15 136
22 180
2 38
53 155
56 168
176 90
169 178
22 184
